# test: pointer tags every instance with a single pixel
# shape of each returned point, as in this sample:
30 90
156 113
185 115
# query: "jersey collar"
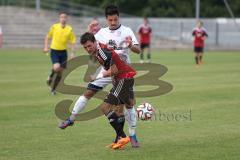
115 28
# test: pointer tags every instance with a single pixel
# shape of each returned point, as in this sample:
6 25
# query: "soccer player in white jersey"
121 39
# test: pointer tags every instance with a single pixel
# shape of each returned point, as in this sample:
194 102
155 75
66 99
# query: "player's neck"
63 25
115 28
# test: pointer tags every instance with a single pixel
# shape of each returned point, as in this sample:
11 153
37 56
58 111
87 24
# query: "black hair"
111 10
63 12
87 37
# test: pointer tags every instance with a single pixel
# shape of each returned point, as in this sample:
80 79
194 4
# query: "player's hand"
92 78
45 50
128 41
72 55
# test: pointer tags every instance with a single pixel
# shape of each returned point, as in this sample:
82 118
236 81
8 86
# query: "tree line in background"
149 8
169 8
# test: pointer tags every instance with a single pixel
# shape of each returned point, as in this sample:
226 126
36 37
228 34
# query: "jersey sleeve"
98 36
106 57
139 29
50 32
72 38
134 39
0 30
193 32
205 32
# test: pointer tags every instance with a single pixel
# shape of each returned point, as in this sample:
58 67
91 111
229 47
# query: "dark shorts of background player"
198 49
144 45
59 56
121 93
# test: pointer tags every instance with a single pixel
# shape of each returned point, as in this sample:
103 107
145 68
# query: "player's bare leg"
148 54
197 59
54 80
201 58
142 56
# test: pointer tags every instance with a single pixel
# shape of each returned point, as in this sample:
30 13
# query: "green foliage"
168 8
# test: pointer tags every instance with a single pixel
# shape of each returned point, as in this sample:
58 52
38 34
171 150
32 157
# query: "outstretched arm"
46 42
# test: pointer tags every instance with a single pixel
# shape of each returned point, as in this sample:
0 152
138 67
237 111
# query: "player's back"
108 56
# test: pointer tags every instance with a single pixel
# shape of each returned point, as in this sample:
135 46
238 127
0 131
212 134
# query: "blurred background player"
144 32
93 27
60 34
1 37
199 34
121 39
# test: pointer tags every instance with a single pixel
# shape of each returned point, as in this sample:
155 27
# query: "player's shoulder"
126 28
102 30
55 25
195 28
100 33
204 29
69 27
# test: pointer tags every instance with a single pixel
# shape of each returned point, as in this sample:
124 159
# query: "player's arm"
72 45
48 37
46 43
133 43
135 48
113 70
205 35
193 34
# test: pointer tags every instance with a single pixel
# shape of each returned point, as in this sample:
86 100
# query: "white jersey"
0 30
116 39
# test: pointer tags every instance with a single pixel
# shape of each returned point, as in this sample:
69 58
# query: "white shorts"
99 84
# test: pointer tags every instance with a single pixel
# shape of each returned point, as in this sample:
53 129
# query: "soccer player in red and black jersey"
123 81
200 34
144 32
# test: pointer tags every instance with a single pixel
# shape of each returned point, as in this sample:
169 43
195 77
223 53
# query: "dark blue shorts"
198 49
59 56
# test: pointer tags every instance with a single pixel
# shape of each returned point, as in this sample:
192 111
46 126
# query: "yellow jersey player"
61 34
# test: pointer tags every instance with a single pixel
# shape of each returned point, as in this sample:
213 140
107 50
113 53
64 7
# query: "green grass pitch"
28 125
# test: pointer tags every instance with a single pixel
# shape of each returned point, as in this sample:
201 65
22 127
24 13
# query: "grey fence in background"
24 27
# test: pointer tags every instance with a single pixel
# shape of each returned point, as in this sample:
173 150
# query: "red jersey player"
121 92
200 34
144 32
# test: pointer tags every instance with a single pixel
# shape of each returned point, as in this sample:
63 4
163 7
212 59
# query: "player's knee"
105 108
57 68
89 94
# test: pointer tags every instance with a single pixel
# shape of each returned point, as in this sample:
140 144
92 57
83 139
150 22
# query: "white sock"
79 106
132 120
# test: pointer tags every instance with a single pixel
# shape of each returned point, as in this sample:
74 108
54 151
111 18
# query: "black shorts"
198 49
59 56
144 45
121 93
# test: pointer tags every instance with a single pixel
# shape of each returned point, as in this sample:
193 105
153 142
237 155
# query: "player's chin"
113 27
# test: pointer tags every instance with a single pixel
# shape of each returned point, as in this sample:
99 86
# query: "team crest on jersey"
112 44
